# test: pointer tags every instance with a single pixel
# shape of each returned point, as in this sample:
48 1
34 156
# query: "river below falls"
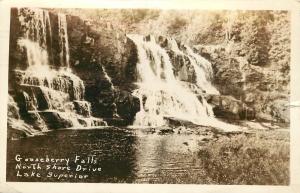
125 155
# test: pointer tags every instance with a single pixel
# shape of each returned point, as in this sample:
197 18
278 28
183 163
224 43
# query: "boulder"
228 107
127 105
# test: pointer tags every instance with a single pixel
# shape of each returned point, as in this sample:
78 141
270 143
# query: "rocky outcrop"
183 69
105 60
227 107
16 126
250 53
95 56
264 89
91 47
127 105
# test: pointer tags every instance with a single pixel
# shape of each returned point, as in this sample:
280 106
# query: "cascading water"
162 95
114 106
165 96
14 120
203 70
51 95
201 66
108 78
37 27
64 44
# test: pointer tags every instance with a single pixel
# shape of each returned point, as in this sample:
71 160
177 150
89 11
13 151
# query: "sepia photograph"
149 96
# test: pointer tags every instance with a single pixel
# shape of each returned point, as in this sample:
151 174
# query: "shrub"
246 160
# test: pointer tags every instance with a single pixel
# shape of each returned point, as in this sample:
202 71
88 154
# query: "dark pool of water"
124 155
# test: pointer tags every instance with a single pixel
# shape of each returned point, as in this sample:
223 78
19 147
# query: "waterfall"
37 26
14 119
114 105
36 55
161 94
107 78
203 70
63 37
202 67
52 96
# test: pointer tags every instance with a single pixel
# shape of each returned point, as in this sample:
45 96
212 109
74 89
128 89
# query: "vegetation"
255 44
246 160
261 159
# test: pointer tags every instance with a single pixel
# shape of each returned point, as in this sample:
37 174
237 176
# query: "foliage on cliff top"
261 39
263 35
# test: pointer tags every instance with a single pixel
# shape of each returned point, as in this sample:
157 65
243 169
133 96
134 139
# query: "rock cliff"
248 52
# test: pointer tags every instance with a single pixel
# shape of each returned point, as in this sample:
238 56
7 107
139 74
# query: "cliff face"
253 63
249 53
105 60
89 50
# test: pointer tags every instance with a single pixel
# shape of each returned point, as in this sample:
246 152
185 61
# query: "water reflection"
164 154
125 155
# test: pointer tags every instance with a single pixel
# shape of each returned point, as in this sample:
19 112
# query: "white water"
165 97
108 78
14 121
203 70
64 43
115 113
38 27
61 89
36 55
202 67
162 95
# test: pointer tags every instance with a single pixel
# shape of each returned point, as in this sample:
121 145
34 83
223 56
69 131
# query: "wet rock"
165 131
162 41
91 122
17 128
119 122
55 120
34 119
182 67
127 105
82 108
175 122
34 97
229 108
12 109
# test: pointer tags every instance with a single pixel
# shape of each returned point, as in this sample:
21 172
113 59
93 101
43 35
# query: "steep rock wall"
89 49
105 59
